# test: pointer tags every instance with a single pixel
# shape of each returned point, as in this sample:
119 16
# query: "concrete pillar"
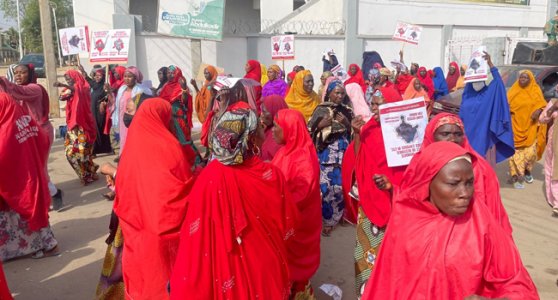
447 34
523 32
122 7
354 46
196 55
252 52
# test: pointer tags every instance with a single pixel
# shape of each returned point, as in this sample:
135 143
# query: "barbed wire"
308 27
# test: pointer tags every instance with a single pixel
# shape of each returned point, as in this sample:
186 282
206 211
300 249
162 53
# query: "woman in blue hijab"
440 85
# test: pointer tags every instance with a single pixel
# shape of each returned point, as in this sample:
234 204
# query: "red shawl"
78 107
172 91
255 71
451 80
151 200
299 162
4 290
115 84
23 182
390 94
370 160
232 244
487 188
272 104
427 82
430 255
402 82
357 78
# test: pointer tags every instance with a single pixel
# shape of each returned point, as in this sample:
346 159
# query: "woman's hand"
325 122
536 114
58 84
339 117
103 107
357 124
183 83
382 182
488 59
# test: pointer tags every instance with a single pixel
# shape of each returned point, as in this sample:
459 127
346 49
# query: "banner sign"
74 40
478 67
282 47
407 33
110 46
403 126
194 19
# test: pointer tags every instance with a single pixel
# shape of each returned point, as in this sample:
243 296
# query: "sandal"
42 254
109 196
529 178
518 185
326 231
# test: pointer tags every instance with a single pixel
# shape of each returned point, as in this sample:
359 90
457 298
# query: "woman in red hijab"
271 105
233 244
24 195
356 77
453 75
426 81
441 242
449 127
254 72
4 290
176 92
373 198
81 133
299 162
151 200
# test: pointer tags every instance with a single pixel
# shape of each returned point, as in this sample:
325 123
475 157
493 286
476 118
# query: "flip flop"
529 178
42 254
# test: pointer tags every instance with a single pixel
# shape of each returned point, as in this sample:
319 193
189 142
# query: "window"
148 10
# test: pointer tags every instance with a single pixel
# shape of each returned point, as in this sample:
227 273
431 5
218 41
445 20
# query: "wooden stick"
107 80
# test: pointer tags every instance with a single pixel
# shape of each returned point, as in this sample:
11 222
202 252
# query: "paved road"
82 228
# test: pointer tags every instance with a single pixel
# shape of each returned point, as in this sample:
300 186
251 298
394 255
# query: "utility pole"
19 31
54 7
50 61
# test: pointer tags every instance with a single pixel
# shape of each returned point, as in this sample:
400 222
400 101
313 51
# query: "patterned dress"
330 181
79 154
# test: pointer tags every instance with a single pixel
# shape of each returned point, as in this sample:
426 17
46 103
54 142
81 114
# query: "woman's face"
21 75
452 70
278 134
416 85
247 67
98 77
336 96
258 136
129 79
266 117
462 71
449 133
374 106
207 75
453 187
353 70
524 80
69 80
161 76
272 75
323 79
422 73
308 83
116 75
289 81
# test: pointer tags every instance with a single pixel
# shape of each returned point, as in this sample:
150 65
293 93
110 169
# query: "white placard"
282 47
407 33
110 46
403 127
74 40
478 66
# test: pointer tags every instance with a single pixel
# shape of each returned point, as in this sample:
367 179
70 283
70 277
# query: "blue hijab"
487 120
440 84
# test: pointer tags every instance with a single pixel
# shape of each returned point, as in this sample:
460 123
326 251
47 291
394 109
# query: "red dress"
299 163
232 242
151 200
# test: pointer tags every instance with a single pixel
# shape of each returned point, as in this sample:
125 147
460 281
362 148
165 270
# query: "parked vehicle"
38 60
546 76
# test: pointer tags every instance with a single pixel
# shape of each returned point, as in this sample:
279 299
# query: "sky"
6 23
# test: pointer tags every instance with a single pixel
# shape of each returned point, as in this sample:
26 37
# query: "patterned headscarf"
11 73
449 119
229 140
137 73
331 86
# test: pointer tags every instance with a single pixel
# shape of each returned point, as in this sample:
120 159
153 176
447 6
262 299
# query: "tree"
31 21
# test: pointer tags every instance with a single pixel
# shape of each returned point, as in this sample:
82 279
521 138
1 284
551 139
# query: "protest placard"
110 46
282 47
407 33
478 66
403 127
74 40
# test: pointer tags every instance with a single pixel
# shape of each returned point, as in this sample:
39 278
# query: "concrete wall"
156 51
96 14
272 11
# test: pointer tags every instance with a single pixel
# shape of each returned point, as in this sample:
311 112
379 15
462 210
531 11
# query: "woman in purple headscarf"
275 85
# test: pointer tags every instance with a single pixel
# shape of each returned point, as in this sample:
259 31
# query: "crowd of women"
282 167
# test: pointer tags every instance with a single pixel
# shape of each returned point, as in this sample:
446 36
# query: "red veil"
430 255
299 162
487 188
357 78
23 182
172 91
232 243
151 200
78 108
451 80
427 82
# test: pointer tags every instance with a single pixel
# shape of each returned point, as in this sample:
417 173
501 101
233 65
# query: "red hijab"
255 71
4 290
78 108
451 80
272 104
487 188
23 183
232 244
357 78
438 256
299 162
172 91
151 200
115 84
427 82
